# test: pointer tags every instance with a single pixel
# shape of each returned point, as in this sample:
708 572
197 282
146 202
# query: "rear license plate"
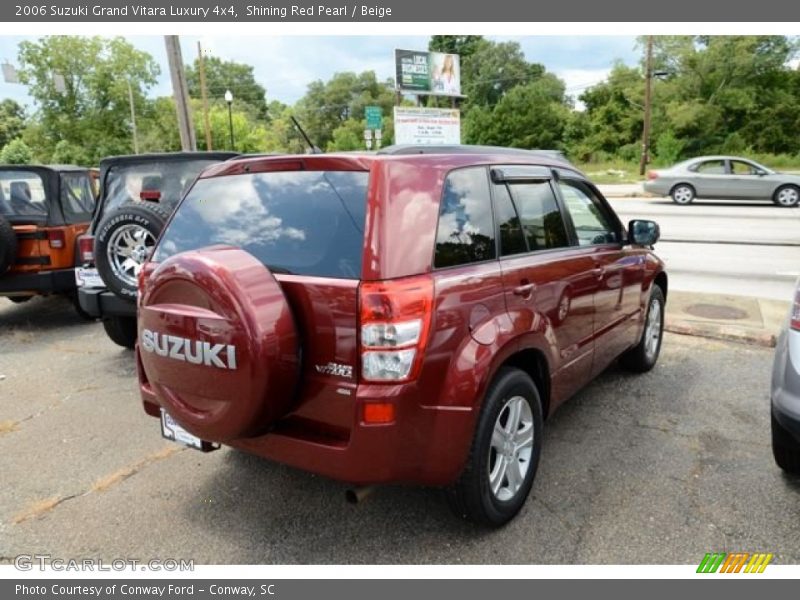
172 431
88 277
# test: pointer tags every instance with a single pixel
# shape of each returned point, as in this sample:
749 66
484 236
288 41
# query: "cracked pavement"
656 468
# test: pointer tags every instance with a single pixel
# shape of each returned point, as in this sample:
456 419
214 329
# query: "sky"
286 65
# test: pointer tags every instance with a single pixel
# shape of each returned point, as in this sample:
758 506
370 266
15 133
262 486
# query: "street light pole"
229 100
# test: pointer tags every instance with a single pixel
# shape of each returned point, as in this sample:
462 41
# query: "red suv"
407 316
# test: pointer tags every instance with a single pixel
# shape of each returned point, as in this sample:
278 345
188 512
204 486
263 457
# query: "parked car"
393 317
137 196
785 393
43 210
727 177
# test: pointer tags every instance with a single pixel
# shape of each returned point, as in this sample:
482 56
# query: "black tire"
642 358
787 196
471 497
19 299
785 449
682 194
121 330
148 217
8 245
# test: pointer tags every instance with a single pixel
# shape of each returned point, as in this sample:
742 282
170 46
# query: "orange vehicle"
43 210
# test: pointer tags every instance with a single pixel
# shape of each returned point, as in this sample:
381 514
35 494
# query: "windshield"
302 222
164 182
22 194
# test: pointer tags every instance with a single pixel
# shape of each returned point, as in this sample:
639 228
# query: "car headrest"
20 190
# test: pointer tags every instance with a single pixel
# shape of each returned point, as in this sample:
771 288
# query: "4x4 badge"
336 369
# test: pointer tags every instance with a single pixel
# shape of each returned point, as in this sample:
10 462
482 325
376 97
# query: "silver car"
728 177
785 394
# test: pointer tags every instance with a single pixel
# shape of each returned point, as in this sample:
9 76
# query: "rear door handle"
524 290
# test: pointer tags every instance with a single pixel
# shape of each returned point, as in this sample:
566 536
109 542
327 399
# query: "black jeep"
137 196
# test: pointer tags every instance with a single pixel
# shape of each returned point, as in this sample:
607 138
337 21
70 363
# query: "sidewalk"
734 318
621 190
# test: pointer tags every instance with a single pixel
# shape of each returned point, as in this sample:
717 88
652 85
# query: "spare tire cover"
8 245
218 343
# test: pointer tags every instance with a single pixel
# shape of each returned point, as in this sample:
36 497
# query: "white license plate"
88 277
172 431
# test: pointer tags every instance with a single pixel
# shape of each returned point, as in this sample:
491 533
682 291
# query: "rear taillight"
795 317
395 320
150 195
56 238
86 248
652 174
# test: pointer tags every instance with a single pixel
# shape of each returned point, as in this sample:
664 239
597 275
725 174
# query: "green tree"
492 70
158 126
222 75
12 120
16 152
533 115
463 45
67 153
328 105
91 110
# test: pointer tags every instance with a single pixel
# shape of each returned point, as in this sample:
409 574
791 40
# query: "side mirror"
643 233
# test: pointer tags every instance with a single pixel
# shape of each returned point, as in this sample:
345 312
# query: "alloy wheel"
128 249
510 449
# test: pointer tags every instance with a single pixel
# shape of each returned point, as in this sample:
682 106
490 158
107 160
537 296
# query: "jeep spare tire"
8 245
218 343
123 243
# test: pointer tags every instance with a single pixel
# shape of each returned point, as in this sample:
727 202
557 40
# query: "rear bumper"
100 303
656 187
424 446
40 282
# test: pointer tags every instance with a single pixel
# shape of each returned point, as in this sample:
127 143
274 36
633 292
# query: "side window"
77 197
592 224
539 215
711 167
742 168
466 228
512 240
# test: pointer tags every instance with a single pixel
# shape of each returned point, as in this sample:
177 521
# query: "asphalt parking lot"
659 468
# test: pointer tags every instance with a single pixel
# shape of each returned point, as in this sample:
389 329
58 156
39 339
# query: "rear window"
300 222
22 194
164 182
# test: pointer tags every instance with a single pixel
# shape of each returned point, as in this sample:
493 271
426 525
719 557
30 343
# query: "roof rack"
467 149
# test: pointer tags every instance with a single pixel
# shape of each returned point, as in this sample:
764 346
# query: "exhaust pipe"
359 494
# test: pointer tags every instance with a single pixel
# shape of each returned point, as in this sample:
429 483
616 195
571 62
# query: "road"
650 469
749 249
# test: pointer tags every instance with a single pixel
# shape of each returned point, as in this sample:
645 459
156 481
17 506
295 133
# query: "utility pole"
181 93
202 67
133 119
648 101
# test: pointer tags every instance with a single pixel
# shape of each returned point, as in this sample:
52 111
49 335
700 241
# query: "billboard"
432 73
427 126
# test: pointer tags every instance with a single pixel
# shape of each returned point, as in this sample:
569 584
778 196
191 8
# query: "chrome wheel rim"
682 195
511 448
652 331
128 249
788 197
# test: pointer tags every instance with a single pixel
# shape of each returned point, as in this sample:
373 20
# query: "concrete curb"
720 332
